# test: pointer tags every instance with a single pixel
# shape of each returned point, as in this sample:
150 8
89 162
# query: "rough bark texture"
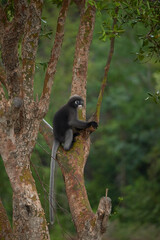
83 41
29 48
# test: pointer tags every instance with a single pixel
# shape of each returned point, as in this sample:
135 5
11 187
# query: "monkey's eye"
77 102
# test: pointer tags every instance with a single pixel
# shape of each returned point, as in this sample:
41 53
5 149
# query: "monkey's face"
79 103
76 101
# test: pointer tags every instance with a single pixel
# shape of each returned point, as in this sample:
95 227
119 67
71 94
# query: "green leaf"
151 95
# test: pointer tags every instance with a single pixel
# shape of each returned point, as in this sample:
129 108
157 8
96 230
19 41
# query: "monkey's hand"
93 124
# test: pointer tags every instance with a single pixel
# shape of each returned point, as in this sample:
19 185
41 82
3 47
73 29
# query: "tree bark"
83 41
28 215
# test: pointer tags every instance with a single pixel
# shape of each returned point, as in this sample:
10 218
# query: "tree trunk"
28 214
20 116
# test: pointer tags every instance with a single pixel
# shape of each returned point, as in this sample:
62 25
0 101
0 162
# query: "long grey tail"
51 187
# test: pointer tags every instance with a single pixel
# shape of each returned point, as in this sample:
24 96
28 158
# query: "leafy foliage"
137 14
145 13
155 97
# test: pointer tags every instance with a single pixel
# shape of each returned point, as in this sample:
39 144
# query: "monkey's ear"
94 124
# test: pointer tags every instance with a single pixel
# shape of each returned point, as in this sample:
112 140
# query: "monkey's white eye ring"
77 102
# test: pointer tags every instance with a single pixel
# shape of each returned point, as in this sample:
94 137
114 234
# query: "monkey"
66 127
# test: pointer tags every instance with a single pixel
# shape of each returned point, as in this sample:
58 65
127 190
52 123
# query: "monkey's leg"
68 139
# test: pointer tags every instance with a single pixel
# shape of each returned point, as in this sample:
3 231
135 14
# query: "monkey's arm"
51 187
82 124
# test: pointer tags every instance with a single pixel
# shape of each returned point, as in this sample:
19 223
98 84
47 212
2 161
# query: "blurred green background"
125 150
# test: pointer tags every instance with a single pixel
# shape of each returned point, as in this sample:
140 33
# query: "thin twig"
107 67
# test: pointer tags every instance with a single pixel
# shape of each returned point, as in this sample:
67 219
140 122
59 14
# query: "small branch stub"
103 212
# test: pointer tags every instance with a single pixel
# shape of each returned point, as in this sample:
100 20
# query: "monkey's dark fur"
65 128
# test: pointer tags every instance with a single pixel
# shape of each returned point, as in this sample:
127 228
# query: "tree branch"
51 69
29 46
107 67
83 41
